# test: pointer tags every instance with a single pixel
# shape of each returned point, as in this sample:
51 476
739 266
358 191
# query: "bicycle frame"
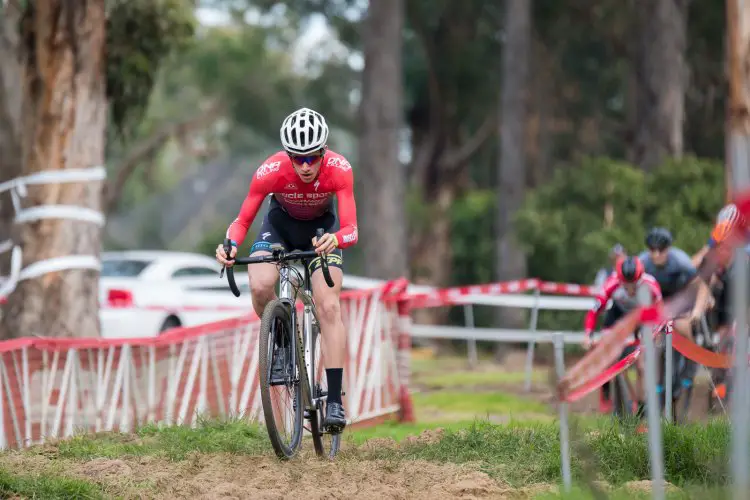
287 294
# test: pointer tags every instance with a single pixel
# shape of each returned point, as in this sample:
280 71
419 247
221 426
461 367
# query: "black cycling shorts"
295 234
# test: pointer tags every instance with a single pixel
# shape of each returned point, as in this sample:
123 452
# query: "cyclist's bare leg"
329 314
263 279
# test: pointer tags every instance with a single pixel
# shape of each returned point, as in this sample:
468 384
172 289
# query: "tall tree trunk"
382 216
661 76
64 110
10 117
511 260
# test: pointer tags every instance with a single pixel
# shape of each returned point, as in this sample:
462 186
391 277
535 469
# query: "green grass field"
509 439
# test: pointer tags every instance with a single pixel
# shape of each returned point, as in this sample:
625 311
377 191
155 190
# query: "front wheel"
280 390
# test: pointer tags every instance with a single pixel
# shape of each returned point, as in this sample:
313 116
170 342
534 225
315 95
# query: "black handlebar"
278 256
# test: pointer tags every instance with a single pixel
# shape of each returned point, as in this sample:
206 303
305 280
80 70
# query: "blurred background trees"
490 140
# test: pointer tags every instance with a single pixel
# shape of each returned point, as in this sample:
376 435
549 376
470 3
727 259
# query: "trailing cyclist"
728 220
673 269
621 288
302 180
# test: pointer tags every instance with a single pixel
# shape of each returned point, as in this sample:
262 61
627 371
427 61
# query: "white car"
145 292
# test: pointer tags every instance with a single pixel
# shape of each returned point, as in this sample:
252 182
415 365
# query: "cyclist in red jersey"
302 180
622 289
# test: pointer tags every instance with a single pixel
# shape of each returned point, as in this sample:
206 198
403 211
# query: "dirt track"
228 476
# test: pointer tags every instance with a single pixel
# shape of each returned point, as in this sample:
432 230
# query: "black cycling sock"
639 413
335 378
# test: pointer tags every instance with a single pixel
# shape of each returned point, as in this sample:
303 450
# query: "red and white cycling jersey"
614 289
304 201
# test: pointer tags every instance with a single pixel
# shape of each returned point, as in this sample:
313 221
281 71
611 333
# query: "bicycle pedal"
334 430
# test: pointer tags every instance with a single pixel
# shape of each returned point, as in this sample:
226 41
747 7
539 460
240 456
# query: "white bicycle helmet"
304 131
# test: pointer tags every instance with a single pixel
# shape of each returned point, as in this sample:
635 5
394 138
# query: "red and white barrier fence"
55 387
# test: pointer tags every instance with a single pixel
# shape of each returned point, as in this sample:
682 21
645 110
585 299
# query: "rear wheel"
325 444
281 394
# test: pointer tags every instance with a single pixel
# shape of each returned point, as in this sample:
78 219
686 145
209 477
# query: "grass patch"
174 443
624 493
529 453
477 403
46 487
398 431
476 379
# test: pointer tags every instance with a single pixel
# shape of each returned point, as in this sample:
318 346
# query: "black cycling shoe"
278 375
335 420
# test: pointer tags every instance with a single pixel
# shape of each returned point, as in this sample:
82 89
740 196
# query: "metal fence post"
652 402
471 344
668 369
564 431
738 36
739 397
532 343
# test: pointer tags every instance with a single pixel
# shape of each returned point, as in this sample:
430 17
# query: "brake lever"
227 252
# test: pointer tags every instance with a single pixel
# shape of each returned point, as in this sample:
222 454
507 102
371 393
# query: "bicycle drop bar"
277 257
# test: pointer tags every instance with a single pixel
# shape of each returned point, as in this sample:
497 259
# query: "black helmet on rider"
629 269
659 238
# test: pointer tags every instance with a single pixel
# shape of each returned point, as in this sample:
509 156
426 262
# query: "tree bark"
64 120
382 217
511 260
661 80
10 117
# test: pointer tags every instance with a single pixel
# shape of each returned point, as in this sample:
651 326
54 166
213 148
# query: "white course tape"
59 264
98 173
17 188
16 261
71 212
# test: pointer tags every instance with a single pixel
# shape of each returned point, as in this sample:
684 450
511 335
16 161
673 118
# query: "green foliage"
140 35
563 224
685 195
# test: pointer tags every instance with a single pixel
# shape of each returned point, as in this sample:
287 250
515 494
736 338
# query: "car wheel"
169 323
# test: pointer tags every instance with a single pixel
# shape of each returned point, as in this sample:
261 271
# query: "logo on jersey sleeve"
351 237
267 168
339 163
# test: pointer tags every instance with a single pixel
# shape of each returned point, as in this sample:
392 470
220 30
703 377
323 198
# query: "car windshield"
123 268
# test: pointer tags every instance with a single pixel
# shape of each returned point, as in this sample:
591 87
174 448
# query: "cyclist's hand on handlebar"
587 341
325 244
221 256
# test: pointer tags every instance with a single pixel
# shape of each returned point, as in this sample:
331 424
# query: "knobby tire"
277 314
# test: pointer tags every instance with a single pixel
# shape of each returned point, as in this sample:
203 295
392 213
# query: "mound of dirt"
226 476
265 478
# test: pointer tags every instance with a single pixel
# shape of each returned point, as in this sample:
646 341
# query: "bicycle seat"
277 247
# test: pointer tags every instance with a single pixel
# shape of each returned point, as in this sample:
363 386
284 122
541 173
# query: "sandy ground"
225 476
